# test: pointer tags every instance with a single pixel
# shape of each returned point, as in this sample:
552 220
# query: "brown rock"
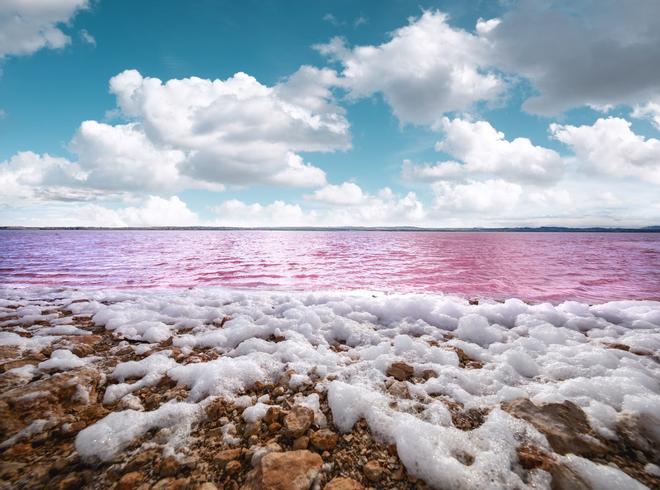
169 467
564 424
207 486
274 427
223 457
531 457
251 429
130 480
274 414
179 484
233 467
298 421
341 483
373 471
324 439
70 482
293 470
400 371
563 478
301 443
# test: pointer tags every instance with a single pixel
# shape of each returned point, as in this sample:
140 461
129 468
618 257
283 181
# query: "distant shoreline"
541 229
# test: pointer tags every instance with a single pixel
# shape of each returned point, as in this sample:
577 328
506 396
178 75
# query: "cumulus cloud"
27 173
121 157
278 213
189 134
347 193
150 211
610 147
28 26
383 209
581 53
488 195
426 69
239 131
482 150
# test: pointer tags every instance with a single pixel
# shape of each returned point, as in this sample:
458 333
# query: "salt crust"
548 353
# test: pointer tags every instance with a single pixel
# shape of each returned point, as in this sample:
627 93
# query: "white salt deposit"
62 360
604 358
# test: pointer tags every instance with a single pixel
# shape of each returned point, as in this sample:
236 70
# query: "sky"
478 113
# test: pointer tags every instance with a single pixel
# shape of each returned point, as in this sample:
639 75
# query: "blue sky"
444 113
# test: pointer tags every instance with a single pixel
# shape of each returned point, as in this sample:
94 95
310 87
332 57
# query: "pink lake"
592 267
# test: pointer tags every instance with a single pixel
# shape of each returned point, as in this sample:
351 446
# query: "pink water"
591 267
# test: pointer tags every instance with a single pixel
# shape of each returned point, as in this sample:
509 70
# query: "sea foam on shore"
409 365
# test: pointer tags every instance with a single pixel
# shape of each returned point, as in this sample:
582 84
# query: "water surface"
593 267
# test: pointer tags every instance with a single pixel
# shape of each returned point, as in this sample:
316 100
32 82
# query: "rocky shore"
87 403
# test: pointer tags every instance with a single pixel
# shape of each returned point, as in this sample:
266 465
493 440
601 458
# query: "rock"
169 467
563 478
70 482
9 469
233 467
251 429
274 414
400 371
341 483
564 424
301 443
373 471
324 439
274 427
298 421
530 457
130 480
179 484
223 457
207 486
292 470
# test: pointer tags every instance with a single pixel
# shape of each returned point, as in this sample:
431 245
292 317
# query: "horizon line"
604 229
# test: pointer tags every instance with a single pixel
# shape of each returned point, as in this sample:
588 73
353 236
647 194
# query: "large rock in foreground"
293 470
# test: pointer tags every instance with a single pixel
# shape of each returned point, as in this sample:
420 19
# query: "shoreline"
182 389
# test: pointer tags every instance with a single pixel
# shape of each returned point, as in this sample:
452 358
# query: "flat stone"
130 480
223 457
324 439
342 483
373 471
564 424
292 470
400 371
301 443
298 421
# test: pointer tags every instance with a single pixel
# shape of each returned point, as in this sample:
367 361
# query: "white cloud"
87 37
26 174
112 160
347 193
581 53
382 209
489 195
151 211
610 147
29 25
278 213
189 134
239 131
121 157
482 150
426 69
649 110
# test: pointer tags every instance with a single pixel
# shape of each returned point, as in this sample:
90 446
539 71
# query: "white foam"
542 352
